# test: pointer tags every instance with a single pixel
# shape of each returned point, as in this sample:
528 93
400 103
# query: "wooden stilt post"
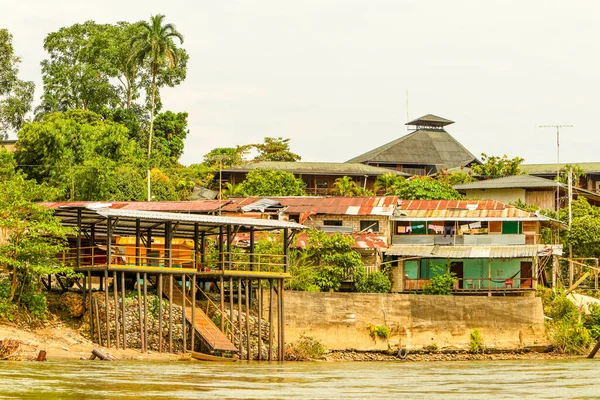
193 327
232 333
106 310
279 341
145 312
98 328
183 332
123 319
84 294
159 291
260 307
249 356
89 278
270 319
171 313
139 290
239 318
222 294
116 308
594 350
282 319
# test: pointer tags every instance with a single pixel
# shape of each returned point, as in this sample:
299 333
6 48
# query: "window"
369 226
511 227
332 223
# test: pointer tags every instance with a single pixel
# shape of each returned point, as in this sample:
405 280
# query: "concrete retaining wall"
340 320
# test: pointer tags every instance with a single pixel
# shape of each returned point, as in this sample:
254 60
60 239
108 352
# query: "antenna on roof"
407 119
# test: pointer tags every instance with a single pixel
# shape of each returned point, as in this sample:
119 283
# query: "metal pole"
232 333
260 307
248 319
171 313
139 290
91 305
145 312
270 319
193 329
239 318
183 303
222 294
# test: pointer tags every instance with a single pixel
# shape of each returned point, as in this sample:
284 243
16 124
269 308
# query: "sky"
341 77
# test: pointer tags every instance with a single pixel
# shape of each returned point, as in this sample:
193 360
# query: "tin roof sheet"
459 209
454 252
204 206
332 205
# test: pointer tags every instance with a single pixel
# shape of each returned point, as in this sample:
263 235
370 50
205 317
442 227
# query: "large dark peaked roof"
424 146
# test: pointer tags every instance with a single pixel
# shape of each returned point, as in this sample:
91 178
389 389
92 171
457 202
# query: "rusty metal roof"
204 206
459 209
453 252
331 205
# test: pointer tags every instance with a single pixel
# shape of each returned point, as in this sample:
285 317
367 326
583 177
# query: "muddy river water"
578 379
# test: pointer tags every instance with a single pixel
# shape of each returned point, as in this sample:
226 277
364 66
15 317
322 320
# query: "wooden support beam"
89 279
282 319
270 319
594 350
170 313
123 319
139 290
109 234
232 333
252 248
138 234
222 297
260 308
78 240
98 329
106 310
239 318
193 328
145 312
576 284
183 330
116 308
159 292
286 233
248 290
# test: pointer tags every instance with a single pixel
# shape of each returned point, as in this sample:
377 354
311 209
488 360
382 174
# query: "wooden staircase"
205 327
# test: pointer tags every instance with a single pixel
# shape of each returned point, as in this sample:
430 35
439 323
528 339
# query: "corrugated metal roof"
174 206
381 206
326 168
459 210
361 241
203 219
430 120
510 182
550 169
454 252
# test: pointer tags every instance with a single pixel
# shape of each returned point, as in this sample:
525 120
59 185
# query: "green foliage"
170 130
275 149
442 281
265 182
570 336
76 152
378 331
497 167
304 349
375 282
592 321
226 157
35 236
455 178
423 188
576 174
16 95
385 182
476 342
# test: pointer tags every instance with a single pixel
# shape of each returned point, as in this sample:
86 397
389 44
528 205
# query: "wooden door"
457 268
526 274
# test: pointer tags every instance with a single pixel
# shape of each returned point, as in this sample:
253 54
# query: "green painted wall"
476 268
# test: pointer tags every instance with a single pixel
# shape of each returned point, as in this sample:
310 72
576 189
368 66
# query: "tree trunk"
15 282
151 128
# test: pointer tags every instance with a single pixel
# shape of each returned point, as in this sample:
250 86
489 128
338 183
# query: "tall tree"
15 95
423 188
266 182
155 45
275 149
170 130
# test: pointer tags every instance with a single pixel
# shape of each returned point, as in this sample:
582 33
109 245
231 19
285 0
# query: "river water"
550 379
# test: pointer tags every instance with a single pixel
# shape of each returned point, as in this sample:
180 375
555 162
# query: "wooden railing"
474 284
180 258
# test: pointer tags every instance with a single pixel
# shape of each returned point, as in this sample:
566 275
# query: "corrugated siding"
454 252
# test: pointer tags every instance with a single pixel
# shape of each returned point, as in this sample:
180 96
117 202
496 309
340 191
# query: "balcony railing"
474 284
470 240
130 256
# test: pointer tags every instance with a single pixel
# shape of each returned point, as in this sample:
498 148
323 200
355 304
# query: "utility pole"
557 127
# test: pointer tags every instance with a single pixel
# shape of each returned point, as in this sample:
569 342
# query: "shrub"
376 282
476 341
378 331
570 337
441 282
36 304
305 348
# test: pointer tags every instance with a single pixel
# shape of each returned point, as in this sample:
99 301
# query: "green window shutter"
511 227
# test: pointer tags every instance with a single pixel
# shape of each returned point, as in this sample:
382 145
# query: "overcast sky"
332 75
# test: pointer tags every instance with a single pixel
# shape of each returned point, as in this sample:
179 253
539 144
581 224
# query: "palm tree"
345 186
155 45
386 181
